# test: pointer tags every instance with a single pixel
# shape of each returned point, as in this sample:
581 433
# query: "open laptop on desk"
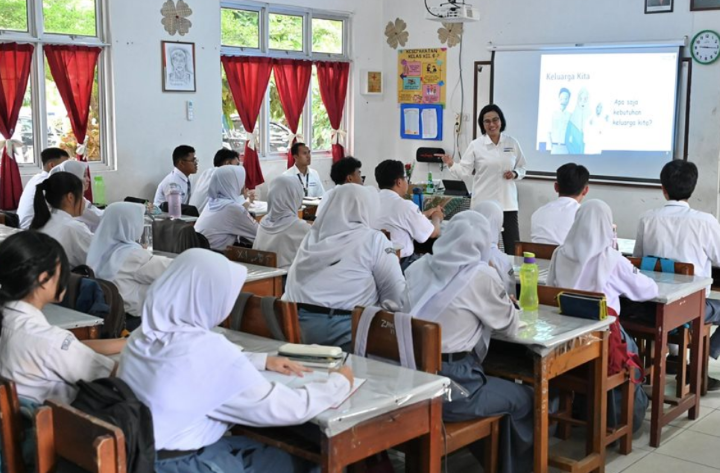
455 188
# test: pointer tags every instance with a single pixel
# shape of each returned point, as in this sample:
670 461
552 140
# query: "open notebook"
316 376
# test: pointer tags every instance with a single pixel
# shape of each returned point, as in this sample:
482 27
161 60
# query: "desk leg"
541 415
597 402
697 356
331 463
430 445
277 287
658 381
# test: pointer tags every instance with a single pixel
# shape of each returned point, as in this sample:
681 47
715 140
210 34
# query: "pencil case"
582 305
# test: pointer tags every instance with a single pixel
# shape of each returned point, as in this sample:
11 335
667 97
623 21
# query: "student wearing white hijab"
225 220
342 263
91 215
197 384
224 157
116 256
456 288
492 211
281 231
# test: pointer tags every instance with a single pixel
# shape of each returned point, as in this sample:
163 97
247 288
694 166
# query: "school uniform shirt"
138 271
403 219
73 236
551 223
175 177
225 227
91 216
25 210
199 197
284 244
677 232
312 185
323 201
45 362
490 162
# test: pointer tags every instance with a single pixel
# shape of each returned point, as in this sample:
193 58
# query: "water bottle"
430 188
418 198
172 195
615 238
99 191
528 285
146 239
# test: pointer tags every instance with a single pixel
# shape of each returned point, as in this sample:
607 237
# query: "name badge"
508 150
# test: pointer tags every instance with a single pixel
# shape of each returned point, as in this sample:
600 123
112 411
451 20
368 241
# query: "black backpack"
112 400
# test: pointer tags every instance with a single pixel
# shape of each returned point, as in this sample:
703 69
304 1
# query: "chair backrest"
253 320
547 295
10 428
135 200
10 219
249 256
176 236
685 269
115 321
189 210
382 341
63 432
541 250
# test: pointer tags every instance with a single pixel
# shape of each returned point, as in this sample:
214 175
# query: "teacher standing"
497 161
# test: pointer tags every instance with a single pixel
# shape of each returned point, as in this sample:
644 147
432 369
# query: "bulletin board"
421 122
422 76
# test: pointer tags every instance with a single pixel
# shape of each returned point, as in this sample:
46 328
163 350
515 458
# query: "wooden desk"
558 344
83 326
394 406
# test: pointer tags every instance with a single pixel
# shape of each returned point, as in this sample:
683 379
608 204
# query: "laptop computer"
455 188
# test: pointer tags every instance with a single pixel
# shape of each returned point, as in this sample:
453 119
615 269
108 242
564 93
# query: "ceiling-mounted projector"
453 12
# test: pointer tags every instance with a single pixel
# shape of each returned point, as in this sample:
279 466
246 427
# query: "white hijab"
77 168
226 185
116 236
587 258
284 201
491 210
175 364
346 221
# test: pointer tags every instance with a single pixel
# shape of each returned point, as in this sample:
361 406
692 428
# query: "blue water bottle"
418 198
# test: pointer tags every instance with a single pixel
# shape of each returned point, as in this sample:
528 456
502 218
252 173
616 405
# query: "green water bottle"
528 283
430 188
99 191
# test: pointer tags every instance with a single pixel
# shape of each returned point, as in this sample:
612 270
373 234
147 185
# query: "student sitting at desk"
400 216
225 220
345 171
116 256
343 263
456 288
682 234
58 202
281 230
491 210
184 164
551 223
50 158
197 384
309 178
91 215
224 157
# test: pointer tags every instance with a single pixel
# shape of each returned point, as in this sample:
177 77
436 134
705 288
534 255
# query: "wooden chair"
10 428
574 382
427 347
253 321
541 250
63 432
248 256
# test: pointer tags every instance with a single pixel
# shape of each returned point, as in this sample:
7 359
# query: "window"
282 32
43 119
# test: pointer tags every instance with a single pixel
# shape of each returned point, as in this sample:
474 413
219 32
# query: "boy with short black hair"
224 157
551 223
185 163
50 158
344 171
309 178
682 234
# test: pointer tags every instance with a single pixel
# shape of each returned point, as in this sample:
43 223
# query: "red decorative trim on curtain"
73 68
248 78
15 62
292 78
333 82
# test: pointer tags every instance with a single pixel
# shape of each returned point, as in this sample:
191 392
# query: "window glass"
73 17
24 130
286 32
327 36
321 128
13 15
239 28
234 136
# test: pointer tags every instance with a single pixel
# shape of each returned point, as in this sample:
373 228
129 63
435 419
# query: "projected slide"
590 104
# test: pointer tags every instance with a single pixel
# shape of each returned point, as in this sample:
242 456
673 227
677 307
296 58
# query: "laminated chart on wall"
422 76
421 122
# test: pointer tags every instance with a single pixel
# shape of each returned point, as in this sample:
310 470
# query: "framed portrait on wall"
178 60
700 5
372 82
659 6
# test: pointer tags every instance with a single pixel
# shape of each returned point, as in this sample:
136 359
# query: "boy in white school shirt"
682 234
309 178
185 164
50 158
345 171
400 216
551 223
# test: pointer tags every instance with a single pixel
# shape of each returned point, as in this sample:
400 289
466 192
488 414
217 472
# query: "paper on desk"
429 124
296 382
412 121
258 206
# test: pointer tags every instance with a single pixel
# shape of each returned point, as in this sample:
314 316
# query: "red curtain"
248 79
15 62
292 78
333 82
73 68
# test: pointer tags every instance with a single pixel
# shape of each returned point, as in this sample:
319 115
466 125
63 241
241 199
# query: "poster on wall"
422 76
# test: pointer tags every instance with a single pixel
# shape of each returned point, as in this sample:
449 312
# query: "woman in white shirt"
343 263
225 220
281 231
58 202
497 161
116 256
492 211
456 288
197 384
91 215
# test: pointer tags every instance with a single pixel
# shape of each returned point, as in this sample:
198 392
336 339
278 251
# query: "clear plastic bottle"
99 191
615 238
172 195
528 283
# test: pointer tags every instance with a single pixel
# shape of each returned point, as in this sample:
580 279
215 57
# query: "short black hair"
224 155
572 179
343 168
566 90
51 154
387 172
295 149
679 179
181 152
491 108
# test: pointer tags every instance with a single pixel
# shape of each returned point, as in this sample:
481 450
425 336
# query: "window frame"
307 54
36 36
